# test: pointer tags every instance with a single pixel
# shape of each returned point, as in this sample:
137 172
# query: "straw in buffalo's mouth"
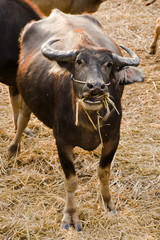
107 100
94 99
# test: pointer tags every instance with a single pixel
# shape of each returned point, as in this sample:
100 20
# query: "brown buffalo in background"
69 6
14 15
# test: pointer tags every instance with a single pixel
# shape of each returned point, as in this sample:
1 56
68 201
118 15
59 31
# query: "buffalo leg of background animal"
22 121
15 102
16 105
153 46
70 215
108 152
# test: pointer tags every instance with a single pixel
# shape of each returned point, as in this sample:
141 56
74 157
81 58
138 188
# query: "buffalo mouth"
94 99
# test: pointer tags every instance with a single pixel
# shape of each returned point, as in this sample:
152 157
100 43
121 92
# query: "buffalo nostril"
102 86
90 85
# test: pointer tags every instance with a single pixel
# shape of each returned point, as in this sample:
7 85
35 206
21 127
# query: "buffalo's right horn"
57 55
125 61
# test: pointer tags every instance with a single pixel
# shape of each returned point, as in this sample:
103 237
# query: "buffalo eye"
109 64
79 61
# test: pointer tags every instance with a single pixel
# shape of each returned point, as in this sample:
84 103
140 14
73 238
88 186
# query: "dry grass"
31 185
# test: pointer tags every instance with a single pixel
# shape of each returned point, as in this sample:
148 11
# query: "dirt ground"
31 184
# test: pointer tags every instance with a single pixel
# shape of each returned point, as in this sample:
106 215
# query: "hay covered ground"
31 184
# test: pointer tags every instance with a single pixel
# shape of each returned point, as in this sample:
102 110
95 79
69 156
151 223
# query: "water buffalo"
153 47
69 6
71 75
14 15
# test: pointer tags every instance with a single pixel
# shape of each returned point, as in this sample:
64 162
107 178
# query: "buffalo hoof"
152 50
65 226
12 150
28 132
71 219
77 226
114 210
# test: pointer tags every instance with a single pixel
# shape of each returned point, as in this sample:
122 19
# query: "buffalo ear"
128 75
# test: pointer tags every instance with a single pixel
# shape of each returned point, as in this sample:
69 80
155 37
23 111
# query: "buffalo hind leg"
108 152
15 102
70 215
22 121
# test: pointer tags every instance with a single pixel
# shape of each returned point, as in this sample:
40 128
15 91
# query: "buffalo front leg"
22 121
70 214
108 152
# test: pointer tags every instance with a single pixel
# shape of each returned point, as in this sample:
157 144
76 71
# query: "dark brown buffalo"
69 6
153 47
14 15
71 75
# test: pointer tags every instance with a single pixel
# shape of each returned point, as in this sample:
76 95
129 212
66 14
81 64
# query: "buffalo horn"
57 55
124 61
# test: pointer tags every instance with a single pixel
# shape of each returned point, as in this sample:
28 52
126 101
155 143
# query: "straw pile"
31 184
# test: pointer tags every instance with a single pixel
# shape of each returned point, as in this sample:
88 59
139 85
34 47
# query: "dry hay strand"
31 185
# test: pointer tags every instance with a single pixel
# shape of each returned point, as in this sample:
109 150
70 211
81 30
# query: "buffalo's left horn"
57 55
124 61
